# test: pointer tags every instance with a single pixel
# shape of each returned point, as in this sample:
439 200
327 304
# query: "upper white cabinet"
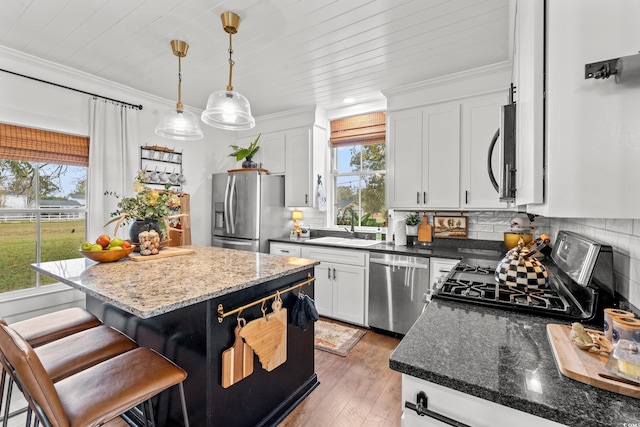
480 120
423 157
298 168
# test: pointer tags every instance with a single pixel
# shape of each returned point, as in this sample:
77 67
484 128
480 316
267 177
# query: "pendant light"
227 109
179 123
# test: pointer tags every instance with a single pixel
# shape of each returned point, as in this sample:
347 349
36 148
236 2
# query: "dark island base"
193 338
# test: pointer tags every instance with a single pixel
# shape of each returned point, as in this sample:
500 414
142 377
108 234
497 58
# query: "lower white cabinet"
461 407
340 287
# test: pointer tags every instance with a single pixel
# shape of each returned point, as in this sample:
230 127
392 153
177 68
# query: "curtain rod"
138 107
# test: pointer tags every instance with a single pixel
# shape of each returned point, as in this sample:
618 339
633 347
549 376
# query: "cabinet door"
480 120
404 159
298 182
441 165
271 153
348 293
323 289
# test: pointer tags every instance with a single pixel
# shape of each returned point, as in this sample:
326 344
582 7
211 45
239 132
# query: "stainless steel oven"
398 291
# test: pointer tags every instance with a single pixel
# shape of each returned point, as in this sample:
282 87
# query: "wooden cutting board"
267 336
425 232
584 366
164 253
237 361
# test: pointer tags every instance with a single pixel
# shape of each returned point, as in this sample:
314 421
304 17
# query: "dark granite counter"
440 248
498 355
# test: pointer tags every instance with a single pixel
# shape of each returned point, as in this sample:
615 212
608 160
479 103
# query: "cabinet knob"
424 197
418 198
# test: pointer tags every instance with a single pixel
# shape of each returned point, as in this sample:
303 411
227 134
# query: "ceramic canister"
626 328
609 315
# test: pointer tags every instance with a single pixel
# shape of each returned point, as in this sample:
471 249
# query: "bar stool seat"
74 353
52 326
95 395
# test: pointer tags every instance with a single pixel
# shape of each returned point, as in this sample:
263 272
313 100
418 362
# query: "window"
358 171
42 201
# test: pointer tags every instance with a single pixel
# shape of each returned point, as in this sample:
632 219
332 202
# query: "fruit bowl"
108 255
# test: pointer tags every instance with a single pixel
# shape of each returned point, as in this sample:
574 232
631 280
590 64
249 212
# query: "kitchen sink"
342 241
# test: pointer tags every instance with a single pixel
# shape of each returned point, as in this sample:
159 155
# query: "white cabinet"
340 287
461 407
298 168
480 120
286 249
440 268
424 157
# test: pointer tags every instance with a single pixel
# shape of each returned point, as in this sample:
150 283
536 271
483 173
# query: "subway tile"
619 225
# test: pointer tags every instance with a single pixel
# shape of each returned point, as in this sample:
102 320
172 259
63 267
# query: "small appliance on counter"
522 227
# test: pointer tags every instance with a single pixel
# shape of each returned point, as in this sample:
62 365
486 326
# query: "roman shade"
364 129
35 145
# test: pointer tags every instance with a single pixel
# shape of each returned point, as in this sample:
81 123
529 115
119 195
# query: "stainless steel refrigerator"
248 210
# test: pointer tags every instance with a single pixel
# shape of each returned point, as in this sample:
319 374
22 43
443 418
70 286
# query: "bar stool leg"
183 401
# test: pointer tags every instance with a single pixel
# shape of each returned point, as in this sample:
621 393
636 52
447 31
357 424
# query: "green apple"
86 246
96 247
116 242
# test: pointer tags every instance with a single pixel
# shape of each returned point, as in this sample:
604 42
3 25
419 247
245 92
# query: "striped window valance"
35 145
365 129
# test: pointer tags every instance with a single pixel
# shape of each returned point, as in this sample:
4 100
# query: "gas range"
580 275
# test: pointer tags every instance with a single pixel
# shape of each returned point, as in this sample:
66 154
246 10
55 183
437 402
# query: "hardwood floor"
357 390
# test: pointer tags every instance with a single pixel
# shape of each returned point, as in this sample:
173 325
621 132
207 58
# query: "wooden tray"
584 366
164 253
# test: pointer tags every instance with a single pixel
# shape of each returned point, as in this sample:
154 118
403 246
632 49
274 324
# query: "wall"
33 104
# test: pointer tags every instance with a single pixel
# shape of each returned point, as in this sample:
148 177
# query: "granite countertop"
494 354
156 286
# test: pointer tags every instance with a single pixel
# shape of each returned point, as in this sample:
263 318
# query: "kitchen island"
466 351
172 305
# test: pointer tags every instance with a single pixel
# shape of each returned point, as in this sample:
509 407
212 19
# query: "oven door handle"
421 409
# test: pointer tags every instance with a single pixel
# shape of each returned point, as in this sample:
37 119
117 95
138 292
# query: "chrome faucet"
352 232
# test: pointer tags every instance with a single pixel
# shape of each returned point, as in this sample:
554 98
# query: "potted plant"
149 209
246 153
412 222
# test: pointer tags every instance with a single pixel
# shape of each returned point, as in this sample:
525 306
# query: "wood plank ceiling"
289 53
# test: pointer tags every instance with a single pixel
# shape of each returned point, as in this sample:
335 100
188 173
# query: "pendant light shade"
179 124
227 109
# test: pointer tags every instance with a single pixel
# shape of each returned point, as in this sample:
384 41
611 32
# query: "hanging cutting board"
584 366
267 336
425 232
237 361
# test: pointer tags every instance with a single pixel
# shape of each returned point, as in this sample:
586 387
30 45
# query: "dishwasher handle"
398 263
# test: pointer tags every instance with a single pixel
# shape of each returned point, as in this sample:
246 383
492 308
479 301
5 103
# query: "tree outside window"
359 182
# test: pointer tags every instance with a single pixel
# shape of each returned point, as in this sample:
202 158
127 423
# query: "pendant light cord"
231 64
179 105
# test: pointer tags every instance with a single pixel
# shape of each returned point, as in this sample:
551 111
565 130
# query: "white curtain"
113 162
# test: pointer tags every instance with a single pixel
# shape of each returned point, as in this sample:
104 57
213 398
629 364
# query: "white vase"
412 230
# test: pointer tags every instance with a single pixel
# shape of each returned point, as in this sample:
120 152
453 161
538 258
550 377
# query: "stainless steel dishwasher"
398 290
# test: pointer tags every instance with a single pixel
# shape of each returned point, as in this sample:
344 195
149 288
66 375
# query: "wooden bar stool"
96 395
74 353
42 330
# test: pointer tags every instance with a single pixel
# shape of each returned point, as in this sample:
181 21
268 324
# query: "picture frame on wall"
451 227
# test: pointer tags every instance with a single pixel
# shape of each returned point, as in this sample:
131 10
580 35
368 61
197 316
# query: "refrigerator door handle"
226 204
232 196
